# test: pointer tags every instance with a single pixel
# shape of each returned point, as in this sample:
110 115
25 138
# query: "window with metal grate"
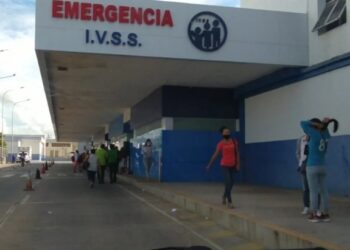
332 16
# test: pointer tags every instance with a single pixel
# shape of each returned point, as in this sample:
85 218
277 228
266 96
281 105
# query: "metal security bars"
332 16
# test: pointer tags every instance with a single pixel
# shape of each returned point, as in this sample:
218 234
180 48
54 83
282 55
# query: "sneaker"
223 201
325 218
229 205
314 218
305 211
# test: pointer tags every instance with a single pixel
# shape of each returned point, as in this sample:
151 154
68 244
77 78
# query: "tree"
5 144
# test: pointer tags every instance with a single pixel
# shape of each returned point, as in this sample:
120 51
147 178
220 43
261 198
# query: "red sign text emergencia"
111 13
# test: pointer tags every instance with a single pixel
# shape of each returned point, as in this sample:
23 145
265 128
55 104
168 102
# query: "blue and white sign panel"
172 30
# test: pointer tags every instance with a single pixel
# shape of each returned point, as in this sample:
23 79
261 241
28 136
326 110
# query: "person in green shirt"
112 163
102 157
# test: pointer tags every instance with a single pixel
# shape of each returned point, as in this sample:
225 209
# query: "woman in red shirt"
228 148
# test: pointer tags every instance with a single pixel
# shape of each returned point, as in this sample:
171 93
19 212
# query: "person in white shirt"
92 167
302 154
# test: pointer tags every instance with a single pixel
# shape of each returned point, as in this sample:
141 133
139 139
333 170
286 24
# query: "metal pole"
13 110
12 133
7 76
2 122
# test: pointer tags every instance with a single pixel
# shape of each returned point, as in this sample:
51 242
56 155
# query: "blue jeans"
147 162
91 176
229 174
316 176
306 190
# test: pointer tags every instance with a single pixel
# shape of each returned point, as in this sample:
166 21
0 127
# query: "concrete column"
106 128
127 115
168 123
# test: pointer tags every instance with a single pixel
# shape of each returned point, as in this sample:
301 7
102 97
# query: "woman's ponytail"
335 126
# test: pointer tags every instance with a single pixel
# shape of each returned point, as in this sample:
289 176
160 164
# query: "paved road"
64 213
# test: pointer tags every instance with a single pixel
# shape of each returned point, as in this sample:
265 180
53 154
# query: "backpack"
72 158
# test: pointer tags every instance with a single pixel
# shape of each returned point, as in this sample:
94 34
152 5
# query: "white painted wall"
298 6
35 144
328 45
127 115
276 115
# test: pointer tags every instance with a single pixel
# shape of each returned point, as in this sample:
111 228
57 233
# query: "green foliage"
5 145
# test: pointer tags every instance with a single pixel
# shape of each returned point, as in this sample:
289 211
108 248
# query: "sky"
17 30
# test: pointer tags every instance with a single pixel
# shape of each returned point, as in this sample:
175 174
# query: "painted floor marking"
172 218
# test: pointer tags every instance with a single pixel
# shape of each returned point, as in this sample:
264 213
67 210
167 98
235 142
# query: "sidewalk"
270 216
7 165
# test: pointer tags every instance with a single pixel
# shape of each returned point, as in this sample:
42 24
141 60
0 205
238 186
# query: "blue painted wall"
36 157
271 164
274 164
181 155
187 153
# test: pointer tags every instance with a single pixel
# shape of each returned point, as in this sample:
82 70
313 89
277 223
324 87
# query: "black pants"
113 170
229 175
306 190
91 176
101 174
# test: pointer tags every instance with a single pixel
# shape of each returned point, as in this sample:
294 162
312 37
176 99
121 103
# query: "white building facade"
272 115
180 70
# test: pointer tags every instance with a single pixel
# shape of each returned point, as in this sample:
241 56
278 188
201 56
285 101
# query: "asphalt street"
63 212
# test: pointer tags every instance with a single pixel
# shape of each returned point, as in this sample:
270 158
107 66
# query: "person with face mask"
318 133
147 157
228 149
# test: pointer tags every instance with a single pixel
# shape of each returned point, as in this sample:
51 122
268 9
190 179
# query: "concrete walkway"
7 165
63 212
266 215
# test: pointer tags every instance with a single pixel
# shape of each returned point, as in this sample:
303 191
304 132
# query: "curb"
256 230
7 165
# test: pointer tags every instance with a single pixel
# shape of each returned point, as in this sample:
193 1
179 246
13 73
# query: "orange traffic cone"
29 185
43 169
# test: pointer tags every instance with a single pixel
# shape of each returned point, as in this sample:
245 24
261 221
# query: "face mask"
226 137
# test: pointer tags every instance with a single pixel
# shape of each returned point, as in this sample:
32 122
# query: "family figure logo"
207 31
